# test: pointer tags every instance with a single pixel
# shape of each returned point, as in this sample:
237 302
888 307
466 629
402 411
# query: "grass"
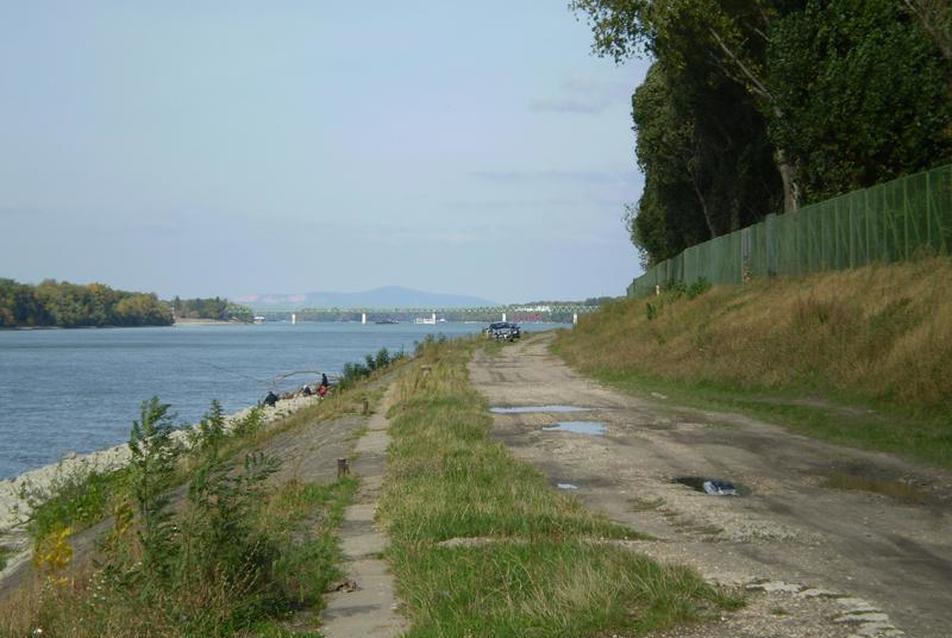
304 517
74 500
292 528
4 555
861 357
541 576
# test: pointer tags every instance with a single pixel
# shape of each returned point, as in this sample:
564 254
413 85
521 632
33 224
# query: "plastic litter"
719 488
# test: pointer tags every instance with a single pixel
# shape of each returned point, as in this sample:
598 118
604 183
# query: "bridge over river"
544 312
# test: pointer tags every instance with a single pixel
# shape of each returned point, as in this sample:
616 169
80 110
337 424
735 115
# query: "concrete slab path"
371 609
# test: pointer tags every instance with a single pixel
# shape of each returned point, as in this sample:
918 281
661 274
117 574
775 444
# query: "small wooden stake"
342 468
366 408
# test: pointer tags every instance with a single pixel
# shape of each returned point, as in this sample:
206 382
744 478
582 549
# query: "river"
65 391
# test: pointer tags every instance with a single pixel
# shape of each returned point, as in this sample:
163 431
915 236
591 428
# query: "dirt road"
820 561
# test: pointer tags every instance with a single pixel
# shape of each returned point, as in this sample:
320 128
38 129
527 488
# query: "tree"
835 94
864 94
730 36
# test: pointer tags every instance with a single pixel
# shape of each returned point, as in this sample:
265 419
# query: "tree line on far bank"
760 106
211 308
67 305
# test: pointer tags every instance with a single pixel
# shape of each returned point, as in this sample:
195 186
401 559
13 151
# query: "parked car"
503 330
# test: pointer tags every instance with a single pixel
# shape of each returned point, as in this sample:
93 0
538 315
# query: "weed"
698 288
207 436
250 424
233 556
75 499
651 311
353 372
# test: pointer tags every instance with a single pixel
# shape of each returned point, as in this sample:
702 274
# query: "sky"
233 148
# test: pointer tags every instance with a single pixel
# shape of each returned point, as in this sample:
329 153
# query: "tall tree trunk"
701 200
791 184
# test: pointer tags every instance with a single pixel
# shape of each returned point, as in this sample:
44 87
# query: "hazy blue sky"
202 148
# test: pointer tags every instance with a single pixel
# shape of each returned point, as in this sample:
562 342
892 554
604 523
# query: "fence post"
770 230
929 212
905 219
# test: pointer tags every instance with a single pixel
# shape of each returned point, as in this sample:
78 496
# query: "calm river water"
79 390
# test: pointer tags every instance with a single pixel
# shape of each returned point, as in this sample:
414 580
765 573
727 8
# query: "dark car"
503 330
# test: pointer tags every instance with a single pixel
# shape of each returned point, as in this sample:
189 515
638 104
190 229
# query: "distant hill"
385 297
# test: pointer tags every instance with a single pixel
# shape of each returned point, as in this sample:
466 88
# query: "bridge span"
565 313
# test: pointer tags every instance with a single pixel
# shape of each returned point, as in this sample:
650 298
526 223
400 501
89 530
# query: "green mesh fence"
886 223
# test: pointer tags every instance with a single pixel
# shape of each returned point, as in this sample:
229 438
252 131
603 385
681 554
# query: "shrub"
699 287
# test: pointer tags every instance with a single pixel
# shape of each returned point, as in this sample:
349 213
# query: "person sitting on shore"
322 390
324 383
271 399
306 390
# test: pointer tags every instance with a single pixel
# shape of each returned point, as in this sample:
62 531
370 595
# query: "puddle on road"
566 486
711 486
596 428
530 409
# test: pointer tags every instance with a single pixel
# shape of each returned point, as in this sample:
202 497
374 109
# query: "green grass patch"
881 428
4 555
540 574
303 518
74 500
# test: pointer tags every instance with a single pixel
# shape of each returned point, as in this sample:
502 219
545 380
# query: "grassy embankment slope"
861 357
482 546
204 541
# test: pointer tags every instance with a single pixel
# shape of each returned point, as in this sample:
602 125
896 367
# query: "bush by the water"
354 371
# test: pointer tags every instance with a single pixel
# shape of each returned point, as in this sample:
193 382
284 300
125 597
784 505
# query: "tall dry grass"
881 334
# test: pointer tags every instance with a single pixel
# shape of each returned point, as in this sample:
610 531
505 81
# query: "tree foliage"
864 93
67 305
757 106
211 308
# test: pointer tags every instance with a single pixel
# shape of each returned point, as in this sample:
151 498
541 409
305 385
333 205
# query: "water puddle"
711 486
530 409
566 486
595 428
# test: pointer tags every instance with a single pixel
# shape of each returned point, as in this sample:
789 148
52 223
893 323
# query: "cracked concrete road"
819 561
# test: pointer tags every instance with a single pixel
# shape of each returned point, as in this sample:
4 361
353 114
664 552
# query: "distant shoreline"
184 321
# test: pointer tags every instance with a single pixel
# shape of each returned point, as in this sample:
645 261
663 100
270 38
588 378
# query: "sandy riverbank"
14 511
